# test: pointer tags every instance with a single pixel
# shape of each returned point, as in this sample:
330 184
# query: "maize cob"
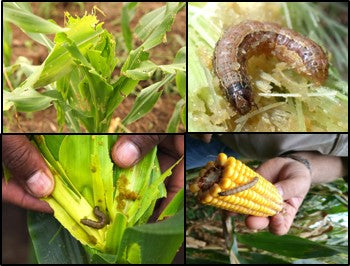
231 185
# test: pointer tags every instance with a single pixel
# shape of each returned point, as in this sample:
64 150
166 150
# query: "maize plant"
77 77
231 185
103 206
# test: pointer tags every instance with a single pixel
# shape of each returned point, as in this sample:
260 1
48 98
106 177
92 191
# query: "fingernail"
127 153
39 184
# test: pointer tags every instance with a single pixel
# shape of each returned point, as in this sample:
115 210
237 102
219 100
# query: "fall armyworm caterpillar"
103 219
248 38
240 188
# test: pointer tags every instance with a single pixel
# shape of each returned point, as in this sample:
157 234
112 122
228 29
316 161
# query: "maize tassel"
231 185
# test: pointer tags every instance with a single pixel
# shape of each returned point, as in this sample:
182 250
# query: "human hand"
129 149
30 176
293 182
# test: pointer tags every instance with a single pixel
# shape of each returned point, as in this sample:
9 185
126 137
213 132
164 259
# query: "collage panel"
99 130
93 198
267 67
266 198
94 67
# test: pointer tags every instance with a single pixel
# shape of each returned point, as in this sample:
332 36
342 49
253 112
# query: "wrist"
299 158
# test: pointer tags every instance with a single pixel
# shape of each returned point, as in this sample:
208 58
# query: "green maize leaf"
59 63
50 154
7 43
134 59
181 75
181 55
84 32
97 257
184 115
132 184
151 192
69 219
25 10
143 72
147 68
87 163
128 12
175 118
158 34
68 203
161 194
289 245
42 39
115 234
93 77
173 68
174 206
146 100
43 227
149 22
17 15
123 86
181 83
24 6
26 100
148 241
70 114
7 104
153 26
134 254
53 144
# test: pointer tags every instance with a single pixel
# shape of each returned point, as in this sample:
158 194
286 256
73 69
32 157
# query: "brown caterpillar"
103 219
242 41
240 188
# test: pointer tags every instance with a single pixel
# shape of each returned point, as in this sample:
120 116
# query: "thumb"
128 150
27 165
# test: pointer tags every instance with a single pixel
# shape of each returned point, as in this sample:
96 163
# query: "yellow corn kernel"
222 158
214 190
194 187
225 183
230 161
253 194
228 172
207 198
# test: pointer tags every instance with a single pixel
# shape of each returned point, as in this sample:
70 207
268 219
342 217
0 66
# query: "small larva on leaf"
103 219
242 41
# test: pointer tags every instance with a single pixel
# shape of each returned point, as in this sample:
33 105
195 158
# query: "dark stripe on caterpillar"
103 219
240 188
242 41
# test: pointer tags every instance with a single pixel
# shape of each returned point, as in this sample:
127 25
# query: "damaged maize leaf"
95 200
231 185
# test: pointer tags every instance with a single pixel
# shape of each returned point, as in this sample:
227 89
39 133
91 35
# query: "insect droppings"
242 41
